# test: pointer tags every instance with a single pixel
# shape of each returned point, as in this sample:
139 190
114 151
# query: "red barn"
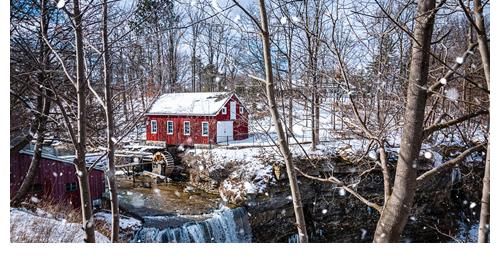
55 178
196 118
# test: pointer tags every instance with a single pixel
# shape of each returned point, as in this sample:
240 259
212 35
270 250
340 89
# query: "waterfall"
225 226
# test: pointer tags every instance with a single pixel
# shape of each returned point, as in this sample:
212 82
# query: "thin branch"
439 126
334 180
249 15
449 163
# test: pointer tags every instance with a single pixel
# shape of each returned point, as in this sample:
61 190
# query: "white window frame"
224 110
208 128
154 125
172 122
242 110
184 128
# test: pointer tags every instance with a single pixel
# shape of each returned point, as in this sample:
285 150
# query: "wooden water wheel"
163 163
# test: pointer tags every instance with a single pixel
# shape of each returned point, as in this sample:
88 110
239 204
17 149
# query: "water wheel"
163 163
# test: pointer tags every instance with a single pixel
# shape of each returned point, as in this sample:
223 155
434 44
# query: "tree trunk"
108 94
484 218
285 151
482 40
81 169
37 153
485 58
395 214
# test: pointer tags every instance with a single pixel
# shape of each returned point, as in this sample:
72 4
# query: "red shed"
55 178
196 118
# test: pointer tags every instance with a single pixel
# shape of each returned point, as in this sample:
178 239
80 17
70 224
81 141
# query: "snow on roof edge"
192 98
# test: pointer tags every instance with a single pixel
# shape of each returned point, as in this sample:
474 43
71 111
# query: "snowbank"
26 227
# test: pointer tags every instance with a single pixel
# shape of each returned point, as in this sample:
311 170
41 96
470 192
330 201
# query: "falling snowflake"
459 60
428 155
472 205
61 4
324 211
443 81
341 192
452 94
283 20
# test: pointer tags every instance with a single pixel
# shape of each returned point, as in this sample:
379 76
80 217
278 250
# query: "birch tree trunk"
108 94
81 169
395 214
283 145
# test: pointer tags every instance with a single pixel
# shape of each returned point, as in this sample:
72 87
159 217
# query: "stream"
178 212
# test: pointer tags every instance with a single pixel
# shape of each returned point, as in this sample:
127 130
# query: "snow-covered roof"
199 103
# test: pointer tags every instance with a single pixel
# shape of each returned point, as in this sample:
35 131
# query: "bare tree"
43 108
108 94
395 214
80 164
484 49
273 109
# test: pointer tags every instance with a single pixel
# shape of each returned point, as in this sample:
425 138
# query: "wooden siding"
53 175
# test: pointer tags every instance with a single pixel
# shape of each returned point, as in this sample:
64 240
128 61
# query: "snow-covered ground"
126 223
28 227
262 131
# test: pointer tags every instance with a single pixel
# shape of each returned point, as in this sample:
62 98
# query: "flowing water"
224 225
